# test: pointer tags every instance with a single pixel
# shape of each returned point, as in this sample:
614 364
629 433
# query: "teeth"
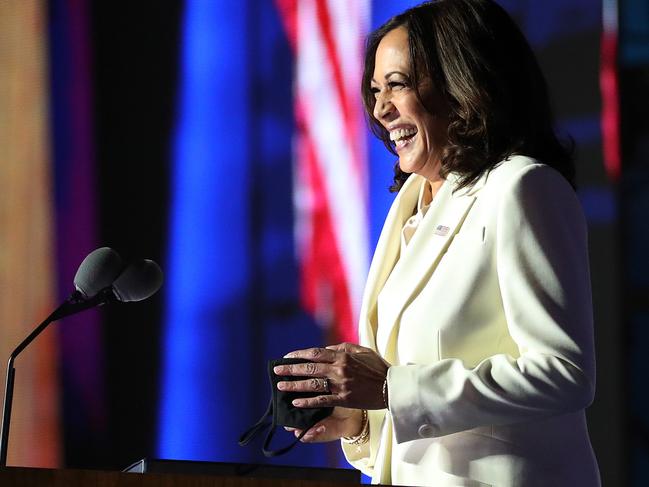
401 133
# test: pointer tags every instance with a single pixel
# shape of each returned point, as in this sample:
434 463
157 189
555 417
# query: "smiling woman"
476 356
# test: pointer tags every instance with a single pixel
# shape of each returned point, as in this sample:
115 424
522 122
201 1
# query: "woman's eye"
374 90
396 85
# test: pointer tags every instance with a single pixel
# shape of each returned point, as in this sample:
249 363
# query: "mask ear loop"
262 424
255 429
265 421
280 451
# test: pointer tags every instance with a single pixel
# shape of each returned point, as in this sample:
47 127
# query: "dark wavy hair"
481 63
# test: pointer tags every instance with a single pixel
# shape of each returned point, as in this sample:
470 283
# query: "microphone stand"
74 304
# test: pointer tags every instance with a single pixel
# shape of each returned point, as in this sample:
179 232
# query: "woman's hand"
354 374
342 422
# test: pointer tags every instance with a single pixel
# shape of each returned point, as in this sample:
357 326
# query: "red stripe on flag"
323 275
610 106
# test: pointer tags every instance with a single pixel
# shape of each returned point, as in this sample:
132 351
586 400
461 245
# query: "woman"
476 359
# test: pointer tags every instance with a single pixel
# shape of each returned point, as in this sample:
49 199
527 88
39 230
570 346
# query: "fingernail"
277 370
281 385
289 355
297 403
320 429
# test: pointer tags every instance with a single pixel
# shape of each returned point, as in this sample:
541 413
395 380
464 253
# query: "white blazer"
487 322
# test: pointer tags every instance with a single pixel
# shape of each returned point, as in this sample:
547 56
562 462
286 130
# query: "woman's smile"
403 137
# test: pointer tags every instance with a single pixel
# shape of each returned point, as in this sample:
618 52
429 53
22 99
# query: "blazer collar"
470 190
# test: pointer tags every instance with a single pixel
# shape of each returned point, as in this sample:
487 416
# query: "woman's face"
419 133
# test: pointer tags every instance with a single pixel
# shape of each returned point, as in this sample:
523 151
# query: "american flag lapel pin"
441 230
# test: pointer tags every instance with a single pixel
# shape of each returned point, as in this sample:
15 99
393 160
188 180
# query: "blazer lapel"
429 243
385 256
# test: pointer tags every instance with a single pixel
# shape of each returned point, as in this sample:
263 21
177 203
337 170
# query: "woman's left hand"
354 374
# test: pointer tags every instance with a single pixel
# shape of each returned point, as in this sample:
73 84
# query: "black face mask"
282 411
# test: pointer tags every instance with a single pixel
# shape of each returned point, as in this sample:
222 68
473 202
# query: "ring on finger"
325 384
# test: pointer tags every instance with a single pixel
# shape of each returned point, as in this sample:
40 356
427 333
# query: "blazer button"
426 430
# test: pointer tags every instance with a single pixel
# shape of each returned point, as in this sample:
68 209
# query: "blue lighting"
206 315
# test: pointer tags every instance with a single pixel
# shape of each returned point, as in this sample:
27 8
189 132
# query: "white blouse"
411 225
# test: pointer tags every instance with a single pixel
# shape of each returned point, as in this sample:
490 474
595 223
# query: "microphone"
140 280
99 280
98 270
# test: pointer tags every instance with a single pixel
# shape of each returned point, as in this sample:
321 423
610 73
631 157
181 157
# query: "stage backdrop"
27 250
228 143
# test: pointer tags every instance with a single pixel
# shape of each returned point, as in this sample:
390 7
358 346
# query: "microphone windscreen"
140 280
97 271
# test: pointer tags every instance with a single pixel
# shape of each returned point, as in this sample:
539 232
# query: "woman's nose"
383 107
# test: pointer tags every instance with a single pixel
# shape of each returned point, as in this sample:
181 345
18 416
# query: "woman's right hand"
342 422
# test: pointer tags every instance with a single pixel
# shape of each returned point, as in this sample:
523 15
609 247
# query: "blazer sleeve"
543 274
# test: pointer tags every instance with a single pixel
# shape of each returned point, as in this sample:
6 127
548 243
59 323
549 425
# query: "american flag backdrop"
330 169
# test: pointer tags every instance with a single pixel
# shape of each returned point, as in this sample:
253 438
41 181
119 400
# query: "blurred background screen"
227 141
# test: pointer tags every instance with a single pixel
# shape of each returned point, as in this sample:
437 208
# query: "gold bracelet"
364 435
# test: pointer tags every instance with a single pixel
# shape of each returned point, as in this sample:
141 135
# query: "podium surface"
225 469
30 477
